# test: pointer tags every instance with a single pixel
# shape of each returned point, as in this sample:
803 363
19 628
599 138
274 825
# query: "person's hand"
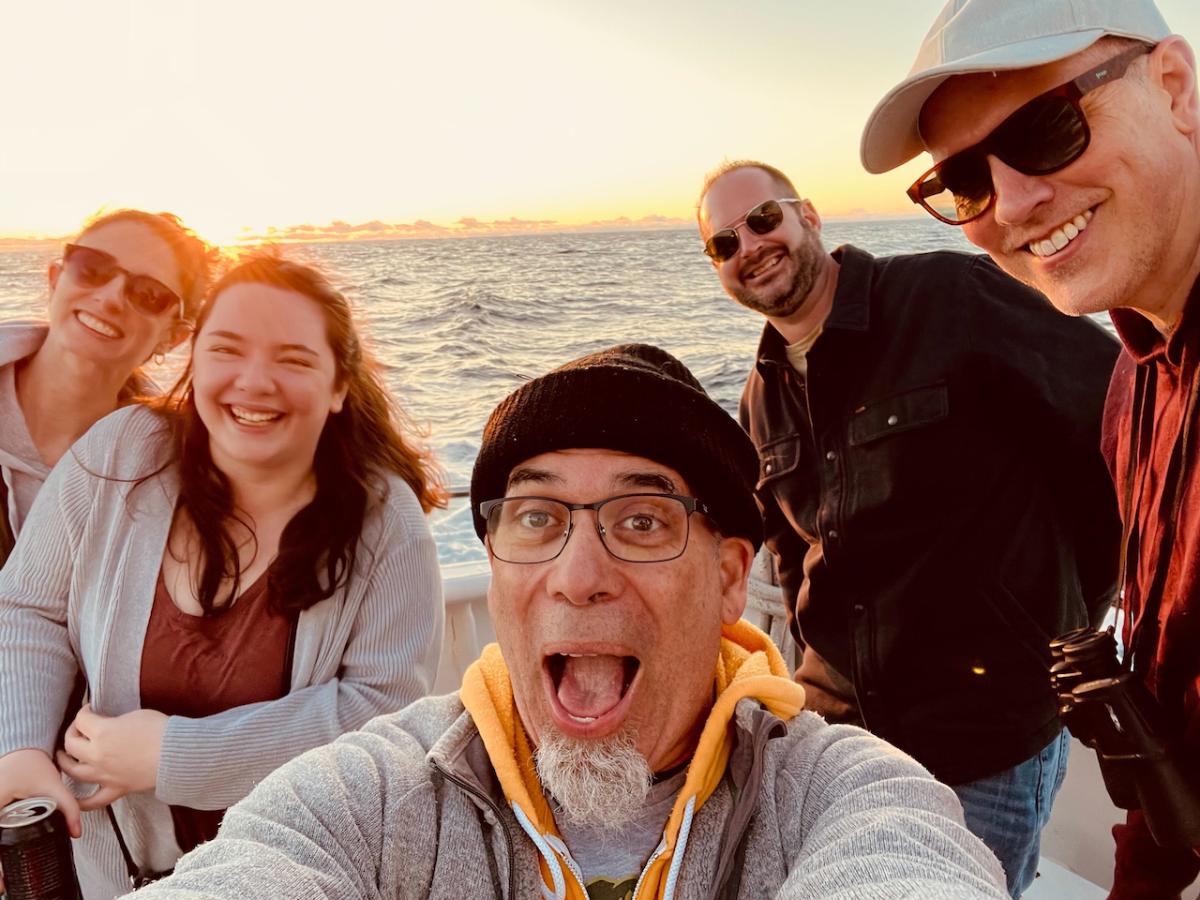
119 753
31 773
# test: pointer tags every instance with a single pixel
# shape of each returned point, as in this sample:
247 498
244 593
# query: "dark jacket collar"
851 304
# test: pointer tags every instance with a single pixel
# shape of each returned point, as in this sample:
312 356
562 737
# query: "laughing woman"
242 574
122 291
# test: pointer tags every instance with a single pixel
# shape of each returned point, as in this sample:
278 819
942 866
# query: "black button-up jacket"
936 498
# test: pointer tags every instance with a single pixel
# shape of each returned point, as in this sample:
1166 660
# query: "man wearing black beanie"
627 735
636 399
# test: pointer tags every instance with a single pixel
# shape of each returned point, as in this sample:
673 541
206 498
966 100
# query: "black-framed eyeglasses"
1046 134
94 268
762 219
632 527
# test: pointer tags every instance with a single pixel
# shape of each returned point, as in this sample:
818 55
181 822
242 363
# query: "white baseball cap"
991 36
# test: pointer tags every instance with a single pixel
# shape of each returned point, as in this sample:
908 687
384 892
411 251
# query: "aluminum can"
35 852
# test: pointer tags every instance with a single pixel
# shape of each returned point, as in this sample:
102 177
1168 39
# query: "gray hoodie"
409 807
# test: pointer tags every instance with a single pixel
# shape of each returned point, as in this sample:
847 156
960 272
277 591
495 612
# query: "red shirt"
198 666
1172 667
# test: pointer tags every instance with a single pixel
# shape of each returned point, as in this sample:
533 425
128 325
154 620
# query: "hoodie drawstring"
680 846
558 844
556 873
551 847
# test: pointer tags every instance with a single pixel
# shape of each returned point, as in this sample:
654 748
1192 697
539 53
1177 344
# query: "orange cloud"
468 226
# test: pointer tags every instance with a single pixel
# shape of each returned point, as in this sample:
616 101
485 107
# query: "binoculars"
1110 710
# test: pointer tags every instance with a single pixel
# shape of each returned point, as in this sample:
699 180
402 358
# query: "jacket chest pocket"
777 458
899 413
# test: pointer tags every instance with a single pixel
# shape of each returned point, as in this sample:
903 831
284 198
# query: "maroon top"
1172 671
197 666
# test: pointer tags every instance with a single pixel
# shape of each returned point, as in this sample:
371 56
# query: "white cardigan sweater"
78 590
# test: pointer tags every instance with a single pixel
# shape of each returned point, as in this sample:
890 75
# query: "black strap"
6 534
137 878
1128 511
134 874
289 657
1143 631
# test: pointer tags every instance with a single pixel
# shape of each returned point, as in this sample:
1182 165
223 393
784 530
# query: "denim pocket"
777 458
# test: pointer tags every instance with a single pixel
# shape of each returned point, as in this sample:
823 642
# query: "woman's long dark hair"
367 439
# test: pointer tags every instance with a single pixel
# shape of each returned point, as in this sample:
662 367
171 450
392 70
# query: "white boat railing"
469 626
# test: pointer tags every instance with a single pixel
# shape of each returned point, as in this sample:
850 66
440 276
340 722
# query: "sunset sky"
242 116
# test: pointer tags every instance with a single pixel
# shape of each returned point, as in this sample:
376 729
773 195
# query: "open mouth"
764 267
255 418
1060 237
98 325
590 687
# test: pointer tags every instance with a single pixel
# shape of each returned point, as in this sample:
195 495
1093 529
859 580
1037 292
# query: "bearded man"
628 736
932 489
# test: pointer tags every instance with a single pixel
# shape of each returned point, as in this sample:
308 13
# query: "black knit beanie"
637 399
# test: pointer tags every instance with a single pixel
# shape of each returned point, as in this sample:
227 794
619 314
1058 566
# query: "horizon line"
339 231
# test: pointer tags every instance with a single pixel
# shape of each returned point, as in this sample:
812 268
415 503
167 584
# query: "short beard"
807 257
598 784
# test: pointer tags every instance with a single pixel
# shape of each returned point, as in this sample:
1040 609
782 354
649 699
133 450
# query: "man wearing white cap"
1066 141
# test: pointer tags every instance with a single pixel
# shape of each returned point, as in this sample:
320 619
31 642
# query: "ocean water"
459 323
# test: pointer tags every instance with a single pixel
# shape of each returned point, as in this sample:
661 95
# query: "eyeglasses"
94 268
763 219
632 527
1046 134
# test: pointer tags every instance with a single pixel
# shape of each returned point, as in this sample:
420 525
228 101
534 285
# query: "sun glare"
367 118
217 230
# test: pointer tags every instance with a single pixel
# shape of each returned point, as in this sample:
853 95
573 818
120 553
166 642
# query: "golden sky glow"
242 116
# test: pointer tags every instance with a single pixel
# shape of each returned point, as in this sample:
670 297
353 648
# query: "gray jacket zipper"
494 807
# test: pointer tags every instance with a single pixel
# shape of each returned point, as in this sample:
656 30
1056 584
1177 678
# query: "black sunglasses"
763 219
94 268
1046 134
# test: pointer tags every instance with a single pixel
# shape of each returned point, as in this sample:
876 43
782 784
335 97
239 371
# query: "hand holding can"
35 852
31 773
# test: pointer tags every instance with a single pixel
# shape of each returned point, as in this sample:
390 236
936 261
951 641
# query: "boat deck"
1054 882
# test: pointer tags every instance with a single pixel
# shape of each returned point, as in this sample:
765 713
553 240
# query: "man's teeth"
97 324
1061 236
765 267
253 417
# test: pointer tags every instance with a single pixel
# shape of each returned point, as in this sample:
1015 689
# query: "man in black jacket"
932 490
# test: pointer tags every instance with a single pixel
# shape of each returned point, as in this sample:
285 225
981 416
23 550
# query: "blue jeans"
1007 811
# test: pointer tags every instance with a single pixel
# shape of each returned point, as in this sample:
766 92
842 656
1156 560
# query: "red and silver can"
35 852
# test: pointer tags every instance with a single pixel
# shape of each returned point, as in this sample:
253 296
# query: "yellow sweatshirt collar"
748 665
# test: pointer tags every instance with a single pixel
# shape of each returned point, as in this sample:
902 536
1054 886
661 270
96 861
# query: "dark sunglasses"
1046 134
763 219
94 268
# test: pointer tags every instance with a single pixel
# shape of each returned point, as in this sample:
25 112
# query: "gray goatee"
598 783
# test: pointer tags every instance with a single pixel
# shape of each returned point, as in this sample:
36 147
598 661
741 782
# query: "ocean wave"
458 324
